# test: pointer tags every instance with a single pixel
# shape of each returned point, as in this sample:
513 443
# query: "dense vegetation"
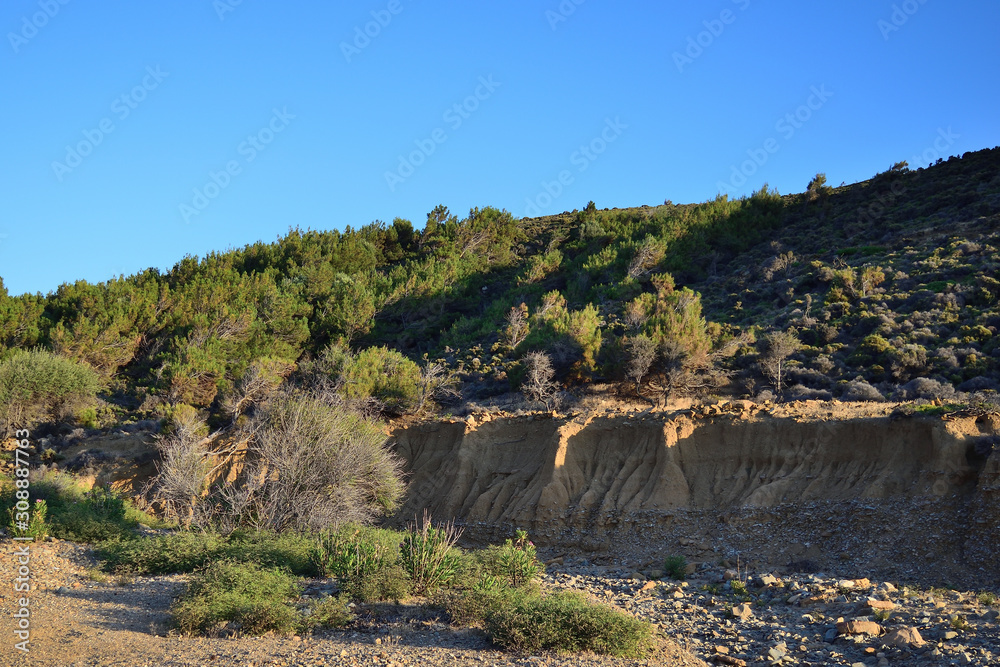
885 287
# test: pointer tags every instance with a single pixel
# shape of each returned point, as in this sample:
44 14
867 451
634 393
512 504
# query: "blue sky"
136 133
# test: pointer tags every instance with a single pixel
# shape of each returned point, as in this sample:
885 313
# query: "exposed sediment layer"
875 492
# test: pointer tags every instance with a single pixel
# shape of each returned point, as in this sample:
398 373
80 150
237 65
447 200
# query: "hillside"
886 286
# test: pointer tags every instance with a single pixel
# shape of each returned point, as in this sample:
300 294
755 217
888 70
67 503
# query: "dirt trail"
803 482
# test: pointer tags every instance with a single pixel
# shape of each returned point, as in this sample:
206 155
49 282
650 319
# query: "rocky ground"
732 617
721 614
77 621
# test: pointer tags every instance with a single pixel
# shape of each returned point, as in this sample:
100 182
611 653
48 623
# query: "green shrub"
385 583
36 385
515 562
166 554
254 598
75 513
428 555
364 560
34 527
375 372
564 622
292 551
330 612
676 567
187 551
87 418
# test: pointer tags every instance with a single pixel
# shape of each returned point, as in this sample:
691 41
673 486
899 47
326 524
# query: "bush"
167 554
365 561
255 600
376 373
565 621
187 551
676 567
428 555
926 388
312 467
74 513
35 526
859 390
330 612
36 385
515 563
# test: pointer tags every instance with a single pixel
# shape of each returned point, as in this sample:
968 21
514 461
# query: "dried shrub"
312 466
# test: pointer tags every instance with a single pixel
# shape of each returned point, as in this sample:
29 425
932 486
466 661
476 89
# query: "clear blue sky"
204 81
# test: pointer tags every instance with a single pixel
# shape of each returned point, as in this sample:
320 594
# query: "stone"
729 574
880 604
951 634
729 660
859 628
742 611
904 637
649 585
768 580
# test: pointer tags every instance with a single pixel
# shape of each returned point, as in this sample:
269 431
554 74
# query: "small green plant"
96 575
516 562
958 622
256 599
987 598
428 555
365 561
87 418
35 527
330 612
676 567
882 615
739 589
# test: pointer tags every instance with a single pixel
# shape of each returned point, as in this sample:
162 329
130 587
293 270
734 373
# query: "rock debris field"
730 617
720 615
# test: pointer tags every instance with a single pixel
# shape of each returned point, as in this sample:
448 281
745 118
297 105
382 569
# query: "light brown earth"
829 485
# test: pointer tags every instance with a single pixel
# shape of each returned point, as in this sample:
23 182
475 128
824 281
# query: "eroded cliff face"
766 487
